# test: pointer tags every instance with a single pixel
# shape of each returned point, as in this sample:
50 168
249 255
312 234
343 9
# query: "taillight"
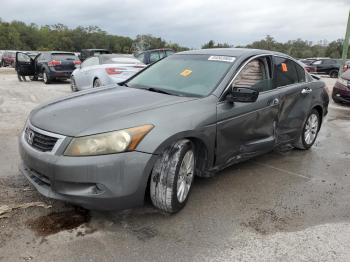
114 70
54 63
77 62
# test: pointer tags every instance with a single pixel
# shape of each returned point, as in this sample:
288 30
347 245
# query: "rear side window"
318 62
284 72
63 57
301 73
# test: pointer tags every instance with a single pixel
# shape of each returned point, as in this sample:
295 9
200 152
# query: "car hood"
76 114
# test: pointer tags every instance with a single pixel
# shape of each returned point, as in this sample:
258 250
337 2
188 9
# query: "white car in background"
104 70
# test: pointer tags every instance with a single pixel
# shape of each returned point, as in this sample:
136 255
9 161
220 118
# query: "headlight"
107 143
343 81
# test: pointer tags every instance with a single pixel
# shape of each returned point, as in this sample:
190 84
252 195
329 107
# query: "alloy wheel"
311 129
185 176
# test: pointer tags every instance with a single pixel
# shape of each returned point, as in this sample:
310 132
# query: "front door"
295 98
248 129
24 64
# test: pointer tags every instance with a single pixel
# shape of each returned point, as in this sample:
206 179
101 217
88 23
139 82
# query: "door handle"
307 90
275 101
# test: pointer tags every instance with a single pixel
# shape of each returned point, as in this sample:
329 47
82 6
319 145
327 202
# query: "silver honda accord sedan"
190 114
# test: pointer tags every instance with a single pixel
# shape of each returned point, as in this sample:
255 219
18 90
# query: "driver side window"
255 75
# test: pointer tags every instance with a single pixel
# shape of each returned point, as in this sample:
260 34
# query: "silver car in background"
104 70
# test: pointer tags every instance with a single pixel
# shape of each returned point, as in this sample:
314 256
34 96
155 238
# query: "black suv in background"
151 56
86 53
327 66
48 65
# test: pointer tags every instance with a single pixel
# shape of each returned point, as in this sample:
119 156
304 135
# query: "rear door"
295 97
248 129
24 64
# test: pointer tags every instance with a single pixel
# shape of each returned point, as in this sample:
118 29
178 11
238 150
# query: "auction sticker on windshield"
186 73
229 59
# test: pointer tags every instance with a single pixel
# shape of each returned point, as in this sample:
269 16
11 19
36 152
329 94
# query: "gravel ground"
284 206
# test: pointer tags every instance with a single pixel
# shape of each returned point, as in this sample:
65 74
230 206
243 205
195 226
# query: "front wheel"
172 177
310 131
73 85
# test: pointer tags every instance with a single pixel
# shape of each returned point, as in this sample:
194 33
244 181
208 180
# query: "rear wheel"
172 177
46 78
333 73
97 83
310 131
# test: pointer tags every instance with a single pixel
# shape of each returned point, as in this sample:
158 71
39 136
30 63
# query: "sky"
193 22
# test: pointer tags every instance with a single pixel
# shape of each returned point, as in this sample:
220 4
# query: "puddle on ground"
58 221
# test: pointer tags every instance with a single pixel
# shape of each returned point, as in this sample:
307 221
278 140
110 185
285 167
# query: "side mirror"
242 94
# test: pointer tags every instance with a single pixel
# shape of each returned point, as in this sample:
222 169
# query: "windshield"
192 75
63 56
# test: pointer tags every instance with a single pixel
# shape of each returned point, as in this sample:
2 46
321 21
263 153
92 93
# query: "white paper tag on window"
229 59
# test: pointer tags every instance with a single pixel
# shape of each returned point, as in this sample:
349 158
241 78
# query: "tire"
333 74
72 84
172 177
46 78
97 83
310 131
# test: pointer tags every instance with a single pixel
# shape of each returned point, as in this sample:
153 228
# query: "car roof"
236 52
153 50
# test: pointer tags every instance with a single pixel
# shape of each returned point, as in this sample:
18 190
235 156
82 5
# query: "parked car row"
324 66
98 68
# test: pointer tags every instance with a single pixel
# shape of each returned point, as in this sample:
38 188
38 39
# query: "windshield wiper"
153 89
123 84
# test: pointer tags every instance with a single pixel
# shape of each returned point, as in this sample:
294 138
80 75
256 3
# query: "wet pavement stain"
58 221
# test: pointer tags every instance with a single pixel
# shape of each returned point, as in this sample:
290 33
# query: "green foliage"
20 36
211 44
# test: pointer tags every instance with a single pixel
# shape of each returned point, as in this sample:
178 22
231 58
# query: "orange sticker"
186 73
284 67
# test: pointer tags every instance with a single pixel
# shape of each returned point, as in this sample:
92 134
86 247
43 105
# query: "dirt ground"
288 205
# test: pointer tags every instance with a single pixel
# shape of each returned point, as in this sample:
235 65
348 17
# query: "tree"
211 44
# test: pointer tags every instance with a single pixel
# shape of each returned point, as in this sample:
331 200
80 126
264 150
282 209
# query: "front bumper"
341 93
107 182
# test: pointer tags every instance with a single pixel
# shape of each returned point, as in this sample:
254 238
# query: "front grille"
40 141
